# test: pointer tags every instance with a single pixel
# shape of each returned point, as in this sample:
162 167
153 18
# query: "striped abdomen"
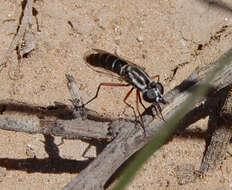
106 61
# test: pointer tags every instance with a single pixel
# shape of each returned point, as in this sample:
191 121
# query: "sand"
162 36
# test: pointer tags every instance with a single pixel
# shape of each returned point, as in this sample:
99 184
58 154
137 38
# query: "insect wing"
101 70
119 57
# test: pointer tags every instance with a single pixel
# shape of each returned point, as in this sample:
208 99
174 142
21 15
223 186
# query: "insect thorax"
136 76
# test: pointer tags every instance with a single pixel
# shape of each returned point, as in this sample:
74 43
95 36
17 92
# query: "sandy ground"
161 36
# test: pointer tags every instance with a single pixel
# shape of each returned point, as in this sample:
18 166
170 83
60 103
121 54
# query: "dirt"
169 38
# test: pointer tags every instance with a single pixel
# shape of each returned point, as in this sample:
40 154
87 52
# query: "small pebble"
105 16
30 151
139 39
182 42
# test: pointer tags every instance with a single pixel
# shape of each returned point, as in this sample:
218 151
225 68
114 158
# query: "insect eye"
153 84
160 87
149 96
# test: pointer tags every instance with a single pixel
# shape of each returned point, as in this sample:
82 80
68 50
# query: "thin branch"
220 126
28 42
25 22
79 110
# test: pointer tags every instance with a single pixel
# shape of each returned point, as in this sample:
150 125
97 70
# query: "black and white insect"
132 74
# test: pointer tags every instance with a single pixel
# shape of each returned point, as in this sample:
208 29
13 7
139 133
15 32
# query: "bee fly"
133 75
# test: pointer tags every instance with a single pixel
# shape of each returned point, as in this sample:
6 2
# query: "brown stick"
220 123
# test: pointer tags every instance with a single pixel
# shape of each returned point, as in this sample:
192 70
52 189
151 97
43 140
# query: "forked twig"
220 122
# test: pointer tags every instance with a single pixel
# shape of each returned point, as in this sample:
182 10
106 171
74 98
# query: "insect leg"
138 100
156 76
85 151
124 100
159 111
105 84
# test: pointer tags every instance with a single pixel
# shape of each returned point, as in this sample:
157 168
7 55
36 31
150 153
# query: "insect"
133 75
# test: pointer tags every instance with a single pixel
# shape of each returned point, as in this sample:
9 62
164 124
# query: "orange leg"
156 76
140 99
105 84
124 100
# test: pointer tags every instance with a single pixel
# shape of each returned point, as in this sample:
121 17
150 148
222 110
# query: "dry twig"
24 38
218 137
220 123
